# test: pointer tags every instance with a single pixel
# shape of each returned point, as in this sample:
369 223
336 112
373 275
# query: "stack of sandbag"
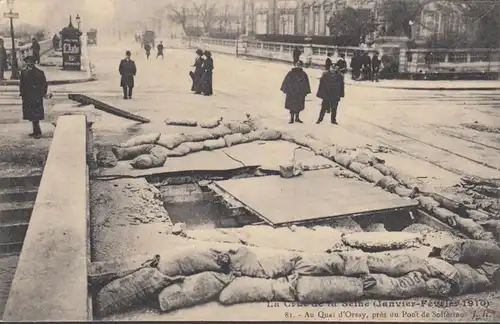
156 158
382 241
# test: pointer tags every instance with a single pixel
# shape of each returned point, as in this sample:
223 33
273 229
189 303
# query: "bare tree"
179 15
207 14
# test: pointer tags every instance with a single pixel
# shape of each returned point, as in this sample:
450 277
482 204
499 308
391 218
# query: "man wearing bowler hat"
33 88
127 71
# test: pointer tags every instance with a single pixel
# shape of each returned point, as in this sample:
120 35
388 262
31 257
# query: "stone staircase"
17 199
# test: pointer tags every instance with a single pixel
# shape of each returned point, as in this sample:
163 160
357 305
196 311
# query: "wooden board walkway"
314 196
86 100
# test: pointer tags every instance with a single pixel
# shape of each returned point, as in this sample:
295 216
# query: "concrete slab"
200 161
271 154
316 195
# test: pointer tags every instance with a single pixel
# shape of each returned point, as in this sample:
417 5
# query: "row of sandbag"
152 150
374 170
193 276
207 123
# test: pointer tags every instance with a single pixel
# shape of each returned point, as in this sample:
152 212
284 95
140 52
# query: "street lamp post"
237 35
78 20
11 15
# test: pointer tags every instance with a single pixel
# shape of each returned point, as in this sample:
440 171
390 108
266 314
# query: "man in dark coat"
127 71
375 67
366 64
35 47
356 65
3 59
296 55
147 48
296 87
342 64
159 49
206 86
55 42
331 89
32 88
328 61
198 71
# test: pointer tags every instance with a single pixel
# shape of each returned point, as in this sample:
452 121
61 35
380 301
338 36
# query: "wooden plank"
313 196
85 100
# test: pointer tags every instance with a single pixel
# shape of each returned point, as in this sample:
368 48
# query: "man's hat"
128 53
199 52
29 58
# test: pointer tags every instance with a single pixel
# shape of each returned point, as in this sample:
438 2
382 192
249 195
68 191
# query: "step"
13 212
13 232
18 194
21 181
10 248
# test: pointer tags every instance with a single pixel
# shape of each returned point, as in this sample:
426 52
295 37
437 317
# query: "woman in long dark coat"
331 89
206 86
198 72
296 87
33 87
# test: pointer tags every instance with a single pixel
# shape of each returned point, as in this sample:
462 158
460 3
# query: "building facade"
310 17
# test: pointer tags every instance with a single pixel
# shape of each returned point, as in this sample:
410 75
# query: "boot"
292 120
297 119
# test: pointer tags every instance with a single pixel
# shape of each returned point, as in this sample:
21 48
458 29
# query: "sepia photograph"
250 160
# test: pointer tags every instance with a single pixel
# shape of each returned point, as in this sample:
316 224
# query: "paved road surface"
423 125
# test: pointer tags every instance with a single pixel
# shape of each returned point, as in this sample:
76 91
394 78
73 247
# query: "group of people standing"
202 74
296 87
365 67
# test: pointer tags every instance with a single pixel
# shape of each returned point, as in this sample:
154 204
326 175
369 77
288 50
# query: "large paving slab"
316 195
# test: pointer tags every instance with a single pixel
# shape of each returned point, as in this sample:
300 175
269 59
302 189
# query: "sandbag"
142 139
408 286
382 240
147 161
210 123
469 281
269 135
343 159
160 151
346 225
194 290
388 183
129 153
131 291
181 150
371 174
355 264
492 226
106 158
235 139
405 192
262 263
357 167
441 269
253 136
446 216
471 228
319 264
364 158
439 288
317 290
104 272
171 141
214 144
238 127
439 239
193 146
384 169
181 122
253 290
220 131
396 266
328 152
473 252
376 227
447 203
198 136
189 261
427 203
492 272
478 216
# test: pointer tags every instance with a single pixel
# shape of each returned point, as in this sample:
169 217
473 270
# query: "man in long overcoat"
3 59
127 71
296 55
35 47
331 90
33 87
296 87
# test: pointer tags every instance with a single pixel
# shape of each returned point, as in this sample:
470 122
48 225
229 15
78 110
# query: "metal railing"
413 61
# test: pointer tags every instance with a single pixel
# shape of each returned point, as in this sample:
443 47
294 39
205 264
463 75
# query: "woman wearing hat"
32 88
198 72
127 71
296 87
206 79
